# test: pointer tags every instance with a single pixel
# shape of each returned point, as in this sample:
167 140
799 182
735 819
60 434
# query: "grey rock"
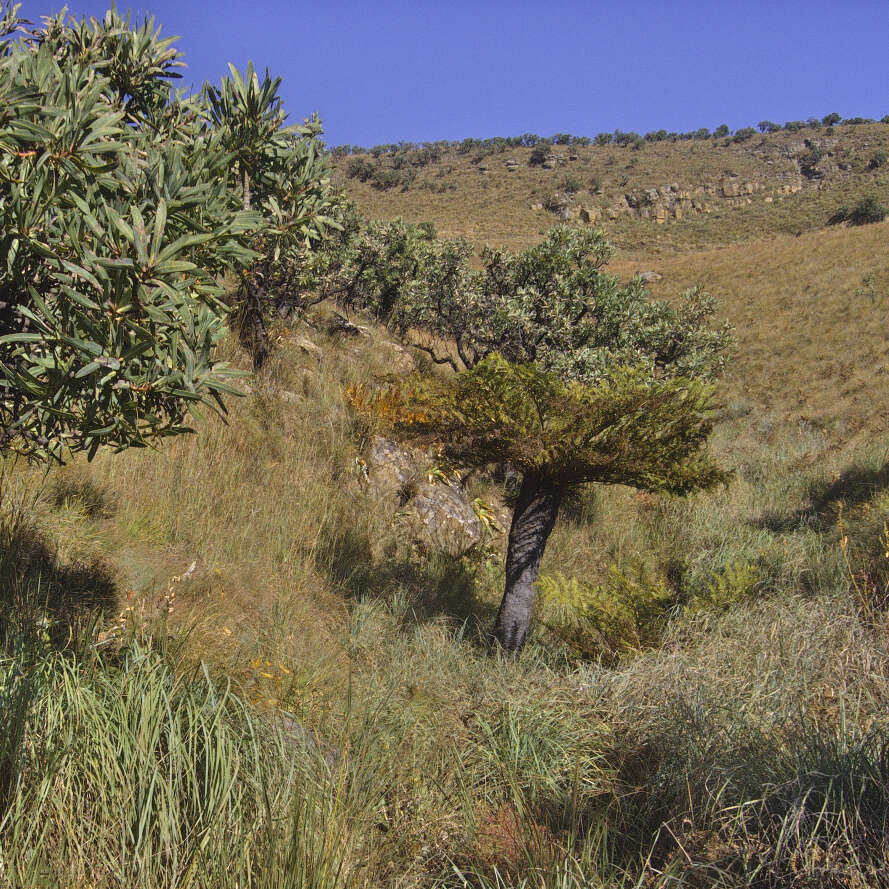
438 514
449 521
309 347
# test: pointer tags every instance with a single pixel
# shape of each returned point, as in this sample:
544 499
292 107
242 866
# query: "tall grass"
130 773
314 705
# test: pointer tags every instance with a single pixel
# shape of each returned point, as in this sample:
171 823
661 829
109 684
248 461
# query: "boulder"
393 469
402 358
338 323
445 517
309 347
648 277
437 514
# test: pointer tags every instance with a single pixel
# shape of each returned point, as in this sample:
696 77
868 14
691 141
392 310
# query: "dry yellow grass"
811 337
807 301
495 207
301 594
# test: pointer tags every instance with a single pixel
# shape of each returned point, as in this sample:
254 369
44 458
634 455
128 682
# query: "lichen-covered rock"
446 517
392 470
437 514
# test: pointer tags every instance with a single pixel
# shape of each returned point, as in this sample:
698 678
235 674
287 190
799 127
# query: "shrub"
361 168
540 154
840 215
602 139
736 582
571 185
626 613
878 160
743 134
868 210
808 162
768 126
721 131
830 120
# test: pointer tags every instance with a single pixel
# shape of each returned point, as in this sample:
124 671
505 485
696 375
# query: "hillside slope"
664 194
280 675
748 221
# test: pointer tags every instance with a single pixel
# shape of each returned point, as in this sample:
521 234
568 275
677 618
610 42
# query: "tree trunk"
254 335
532 521
246 197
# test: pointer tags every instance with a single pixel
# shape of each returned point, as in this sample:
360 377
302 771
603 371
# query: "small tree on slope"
114 223
279 171
624 430
568 374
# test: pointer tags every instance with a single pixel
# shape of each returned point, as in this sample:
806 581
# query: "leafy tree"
280 172
768 126
621 138
114 225
553 305
831 120
542 340
626 429
721 131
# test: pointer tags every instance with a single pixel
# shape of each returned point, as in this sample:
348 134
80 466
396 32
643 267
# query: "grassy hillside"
225 662
489 197
807 299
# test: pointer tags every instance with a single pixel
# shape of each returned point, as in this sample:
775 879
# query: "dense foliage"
117 220
552 305
280 172
563 371
623 430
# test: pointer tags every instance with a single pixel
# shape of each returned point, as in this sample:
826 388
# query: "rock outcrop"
437 514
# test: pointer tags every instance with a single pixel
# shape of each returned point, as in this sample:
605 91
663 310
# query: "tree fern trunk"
532 521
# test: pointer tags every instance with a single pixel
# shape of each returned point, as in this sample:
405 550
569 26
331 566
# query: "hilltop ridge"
682 194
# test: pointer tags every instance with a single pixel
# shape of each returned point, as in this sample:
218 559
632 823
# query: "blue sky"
387 71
